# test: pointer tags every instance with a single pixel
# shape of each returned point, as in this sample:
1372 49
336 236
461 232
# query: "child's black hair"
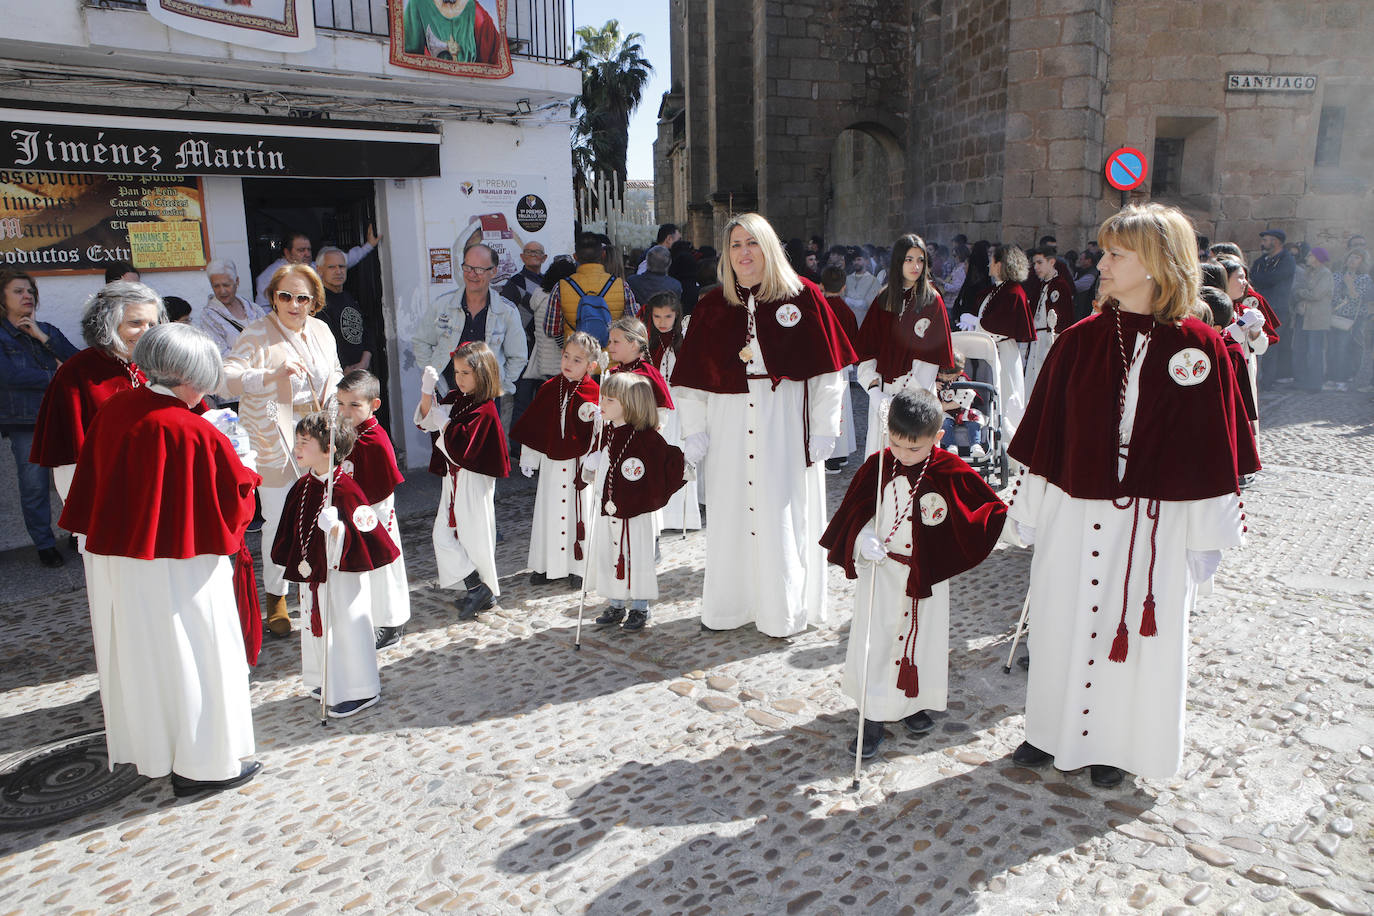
664 300
1223 311
361 382
915 414
316 426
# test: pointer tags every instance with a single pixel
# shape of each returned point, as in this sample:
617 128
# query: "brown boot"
278 621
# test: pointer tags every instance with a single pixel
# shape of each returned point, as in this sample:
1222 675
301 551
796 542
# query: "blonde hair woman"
282 367
758 385
1126 395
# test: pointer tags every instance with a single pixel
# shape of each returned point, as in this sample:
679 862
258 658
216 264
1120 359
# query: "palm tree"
614 74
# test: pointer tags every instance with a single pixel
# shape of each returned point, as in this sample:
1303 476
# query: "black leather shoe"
611 616
918 723
1106 777
637 620
389 636
874 733
182 787
538 578
574 582
1028 755
478 599
50 557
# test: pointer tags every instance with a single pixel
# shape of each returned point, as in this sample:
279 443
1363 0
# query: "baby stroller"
993 464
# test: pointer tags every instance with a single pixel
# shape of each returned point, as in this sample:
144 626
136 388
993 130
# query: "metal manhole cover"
60 780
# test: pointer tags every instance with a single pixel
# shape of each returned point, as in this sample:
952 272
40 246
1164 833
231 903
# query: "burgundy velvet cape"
538 426
155 481
1009 313
1061 305
1271 320
1188 442
893 341
77 390
362 550
643 367
1236 351
709 357
662 477
372 463
473 439
957 544
845 316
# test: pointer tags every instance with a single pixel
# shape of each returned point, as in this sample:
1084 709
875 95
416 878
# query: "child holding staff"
344 593
372 465
469 454
668 325
633 474
960 519
554 432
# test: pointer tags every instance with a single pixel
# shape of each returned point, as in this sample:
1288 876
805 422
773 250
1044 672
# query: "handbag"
1341 323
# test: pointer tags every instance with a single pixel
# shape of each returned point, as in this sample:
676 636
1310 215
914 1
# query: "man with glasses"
296 249
519 287
474 312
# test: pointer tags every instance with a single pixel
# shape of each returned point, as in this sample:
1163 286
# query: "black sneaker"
574 582
835 465
874 733
1028 755
918 723
50 557
638 619
351 707
611 616
538 578
388 636
478 599
1106 777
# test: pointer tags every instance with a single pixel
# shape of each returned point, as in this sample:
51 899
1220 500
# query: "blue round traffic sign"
1126 169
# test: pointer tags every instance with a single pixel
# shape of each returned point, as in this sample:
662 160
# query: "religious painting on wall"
272 25
459 37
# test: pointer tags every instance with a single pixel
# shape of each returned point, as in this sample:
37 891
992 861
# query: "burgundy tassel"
453 495
907 680
1120 643
577 550
577 544
1147 619
316 624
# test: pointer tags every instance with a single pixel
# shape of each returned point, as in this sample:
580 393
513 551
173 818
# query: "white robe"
1011 384
553 531
1038 349
922 375
1080 706
390 585
764 562
848 442
170 656
607 531
683 511
891 621
352 665
472 545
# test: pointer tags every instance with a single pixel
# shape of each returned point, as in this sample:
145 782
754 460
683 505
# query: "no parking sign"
1126 169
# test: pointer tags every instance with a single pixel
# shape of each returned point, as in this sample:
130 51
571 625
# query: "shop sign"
1250 81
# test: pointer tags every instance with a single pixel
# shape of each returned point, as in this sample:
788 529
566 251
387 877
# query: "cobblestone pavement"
676 771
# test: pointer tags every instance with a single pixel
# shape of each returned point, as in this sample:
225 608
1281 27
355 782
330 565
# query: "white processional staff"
872 584
602 362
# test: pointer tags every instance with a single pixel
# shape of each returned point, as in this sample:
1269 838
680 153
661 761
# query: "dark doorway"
335 212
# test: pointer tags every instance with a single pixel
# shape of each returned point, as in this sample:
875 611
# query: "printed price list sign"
166 245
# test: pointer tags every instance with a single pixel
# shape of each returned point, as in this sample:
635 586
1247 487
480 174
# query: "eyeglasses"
286 298
535 253
474 269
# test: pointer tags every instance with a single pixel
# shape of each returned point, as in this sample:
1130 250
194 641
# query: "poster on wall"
272 25
504 211
63 222
459 37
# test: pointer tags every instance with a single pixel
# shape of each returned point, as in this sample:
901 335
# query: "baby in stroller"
963 426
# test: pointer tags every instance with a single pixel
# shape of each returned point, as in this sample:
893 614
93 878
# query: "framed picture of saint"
461 37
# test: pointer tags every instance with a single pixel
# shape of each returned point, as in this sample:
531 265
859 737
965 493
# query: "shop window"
1185 151
1166 173
1329 131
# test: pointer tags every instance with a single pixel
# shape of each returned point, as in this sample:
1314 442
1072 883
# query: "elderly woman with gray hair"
164 501
111 323
226 313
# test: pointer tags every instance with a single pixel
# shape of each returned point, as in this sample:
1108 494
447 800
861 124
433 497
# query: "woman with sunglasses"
282 367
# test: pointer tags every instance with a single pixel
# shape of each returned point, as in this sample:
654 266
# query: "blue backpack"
593 314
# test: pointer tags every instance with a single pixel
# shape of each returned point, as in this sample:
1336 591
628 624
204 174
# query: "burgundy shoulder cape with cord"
77 390
1009 313
366 545
1059 300
894 342
1271 320
1189 441
641 476
538 426
155 481
709 357
473 439
372 463
959 542
643 367
845 316
1236 351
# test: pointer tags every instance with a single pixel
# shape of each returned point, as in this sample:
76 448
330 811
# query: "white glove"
1026 533
595 411
1237 331
528 470
428 379
1251 318
694 449
968 322
821 447
871 549
1052 319
1203 564
593 461
329 517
